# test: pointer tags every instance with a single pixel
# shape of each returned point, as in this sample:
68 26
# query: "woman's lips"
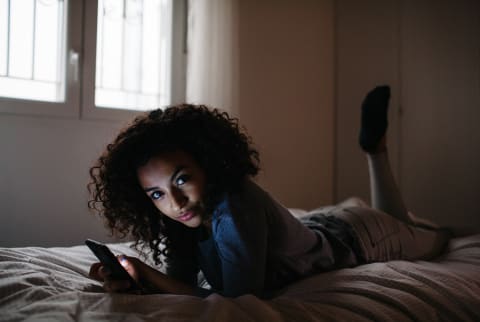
186 216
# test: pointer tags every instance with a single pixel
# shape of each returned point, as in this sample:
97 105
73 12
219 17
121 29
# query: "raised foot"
374 121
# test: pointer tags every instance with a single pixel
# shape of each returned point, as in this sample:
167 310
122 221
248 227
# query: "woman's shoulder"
241 216
249 205
248 197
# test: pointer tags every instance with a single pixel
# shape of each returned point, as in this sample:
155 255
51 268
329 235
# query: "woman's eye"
156 195
182 180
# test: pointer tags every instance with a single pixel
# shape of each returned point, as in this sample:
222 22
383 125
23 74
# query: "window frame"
80 88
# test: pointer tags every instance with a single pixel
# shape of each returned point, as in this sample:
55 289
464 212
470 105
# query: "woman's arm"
156 280
243 261
153 280
240 235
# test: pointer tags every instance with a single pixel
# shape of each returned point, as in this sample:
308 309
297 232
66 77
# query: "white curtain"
212 63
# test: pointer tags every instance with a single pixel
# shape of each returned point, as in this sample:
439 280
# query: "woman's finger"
104 272
94 271
128 264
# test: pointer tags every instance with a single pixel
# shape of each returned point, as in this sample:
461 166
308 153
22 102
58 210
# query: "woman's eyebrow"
150 189
177 170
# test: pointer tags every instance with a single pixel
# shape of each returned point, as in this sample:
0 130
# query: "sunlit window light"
32 49
133 54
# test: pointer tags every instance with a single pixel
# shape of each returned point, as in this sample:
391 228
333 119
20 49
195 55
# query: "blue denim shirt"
256 246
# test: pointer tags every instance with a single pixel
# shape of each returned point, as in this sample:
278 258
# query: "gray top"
256 246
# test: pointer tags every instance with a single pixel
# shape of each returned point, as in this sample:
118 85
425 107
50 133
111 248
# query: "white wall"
286 95
441 97
367 55
429 51
44 165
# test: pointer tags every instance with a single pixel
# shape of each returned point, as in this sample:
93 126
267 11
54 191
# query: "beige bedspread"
51 284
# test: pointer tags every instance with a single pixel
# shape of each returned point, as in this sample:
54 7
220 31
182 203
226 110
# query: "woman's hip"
382 237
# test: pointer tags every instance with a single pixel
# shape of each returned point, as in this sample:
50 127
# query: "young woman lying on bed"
179 180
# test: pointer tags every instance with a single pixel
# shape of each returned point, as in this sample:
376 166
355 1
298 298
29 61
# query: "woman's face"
175 184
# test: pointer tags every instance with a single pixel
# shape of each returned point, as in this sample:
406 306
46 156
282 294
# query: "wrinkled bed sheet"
51 284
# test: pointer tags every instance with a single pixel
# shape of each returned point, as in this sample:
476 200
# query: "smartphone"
109 260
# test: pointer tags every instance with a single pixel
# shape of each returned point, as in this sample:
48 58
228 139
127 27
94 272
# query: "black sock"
374 118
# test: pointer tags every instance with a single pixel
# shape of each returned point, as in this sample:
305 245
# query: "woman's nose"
178 199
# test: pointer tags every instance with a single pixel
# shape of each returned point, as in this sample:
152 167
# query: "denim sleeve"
187 273
241 241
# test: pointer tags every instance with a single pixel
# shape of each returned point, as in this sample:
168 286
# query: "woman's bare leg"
387 233
384 193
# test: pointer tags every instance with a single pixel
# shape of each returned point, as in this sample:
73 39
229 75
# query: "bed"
52 284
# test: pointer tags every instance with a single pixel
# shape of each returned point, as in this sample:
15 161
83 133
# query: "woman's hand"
145 276
132 265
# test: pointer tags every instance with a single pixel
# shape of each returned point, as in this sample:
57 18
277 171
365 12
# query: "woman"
182 178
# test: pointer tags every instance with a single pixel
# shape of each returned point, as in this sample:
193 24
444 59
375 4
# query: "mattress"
52 284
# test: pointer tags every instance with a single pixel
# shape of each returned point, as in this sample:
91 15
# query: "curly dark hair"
215 141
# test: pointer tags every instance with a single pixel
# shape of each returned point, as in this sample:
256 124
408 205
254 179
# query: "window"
32 40
132 62
94 59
